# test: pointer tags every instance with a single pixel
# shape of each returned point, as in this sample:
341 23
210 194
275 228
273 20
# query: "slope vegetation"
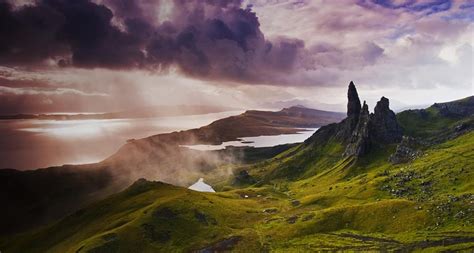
423 205
357 185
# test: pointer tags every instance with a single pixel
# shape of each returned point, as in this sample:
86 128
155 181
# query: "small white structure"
200 186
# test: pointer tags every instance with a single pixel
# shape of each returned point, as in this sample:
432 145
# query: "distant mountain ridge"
304 111
248 124
439 120
142 112
462 107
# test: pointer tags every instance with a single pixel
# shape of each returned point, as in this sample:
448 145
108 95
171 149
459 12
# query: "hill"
251 123
40 196
436 119
340 190
329 211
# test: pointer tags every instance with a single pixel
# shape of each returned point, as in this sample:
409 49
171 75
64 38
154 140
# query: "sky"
113 55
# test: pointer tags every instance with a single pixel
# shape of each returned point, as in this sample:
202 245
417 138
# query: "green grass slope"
425 205
437 118
307 198
147 217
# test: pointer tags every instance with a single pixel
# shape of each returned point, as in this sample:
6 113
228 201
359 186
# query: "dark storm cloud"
207 39
55 29
30 34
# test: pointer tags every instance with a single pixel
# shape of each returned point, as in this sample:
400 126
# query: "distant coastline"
144 112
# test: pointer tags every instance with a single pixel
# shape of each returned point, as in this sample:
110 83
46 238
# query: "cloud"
77 31
37 100
102 90
37 91
206 39
152 51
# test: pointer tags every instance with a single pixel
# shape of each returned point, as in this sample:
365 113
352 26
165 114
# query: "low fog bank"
162 158
38 197
49 143
169 163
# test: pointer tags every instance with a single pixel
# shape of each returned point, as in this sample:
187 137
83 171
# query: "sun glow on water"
76 128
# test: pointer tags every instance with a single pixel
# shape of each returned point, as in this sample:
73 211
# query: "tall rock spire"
353 111
372 129
359 143
353 104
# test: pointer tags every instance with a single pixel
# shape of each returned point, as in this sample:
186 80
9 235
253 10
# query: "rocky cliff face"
359 142
384 123
362 130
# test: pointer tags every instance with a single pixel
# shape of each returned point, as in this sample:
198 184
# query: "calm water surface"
29 144
260 141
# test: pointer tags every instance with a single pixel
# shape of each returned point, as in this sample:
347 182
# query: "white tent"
200 186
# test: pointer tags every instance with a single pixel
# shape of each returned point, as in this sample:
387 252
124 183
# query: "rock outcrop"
361 131
384 126
366 129
353 104
349 124
406 151
359 143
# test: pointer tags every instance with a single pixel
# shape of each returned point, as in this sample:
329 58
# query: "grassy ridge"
432 121
307 198
334 209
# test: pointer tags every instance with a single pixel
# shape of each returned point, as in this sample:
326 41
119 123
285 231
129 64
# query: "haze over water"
30 144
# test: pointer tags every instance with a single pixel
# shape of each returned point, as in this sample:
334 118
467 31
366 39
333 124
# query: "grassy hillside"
424 205
40 196
437 118
33 198
309 197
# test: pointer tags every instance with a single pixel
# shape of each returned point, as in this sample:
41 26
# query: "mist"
160 159
51 142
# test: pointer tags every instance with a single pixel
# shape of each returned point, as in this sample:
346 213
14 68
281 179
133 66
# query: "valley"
44 195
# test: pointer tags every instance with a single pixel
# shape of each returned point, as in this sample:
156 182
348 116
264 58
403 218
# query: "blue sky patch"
430 7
